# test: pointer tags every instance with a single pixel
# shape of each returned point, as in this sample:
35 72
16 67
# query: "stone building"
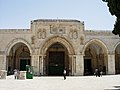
51 45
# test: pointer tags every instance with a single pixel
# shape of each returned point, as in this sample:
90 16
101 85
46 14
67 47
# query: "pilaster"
41 58
111 63
3 62
35 64
79 65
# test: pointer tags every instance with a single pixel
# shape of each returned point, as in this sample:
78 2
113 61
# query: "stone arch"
15 41
55 39
115 46
97 41
18 53
65 49
95 56
117 57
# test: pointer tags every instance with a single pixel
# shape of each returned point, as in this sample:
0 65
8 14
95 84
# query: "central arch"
57 51
56 59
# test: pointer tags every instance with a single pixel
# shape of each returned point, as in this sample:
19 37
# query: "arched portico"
95 56
52 49
18 55
117 58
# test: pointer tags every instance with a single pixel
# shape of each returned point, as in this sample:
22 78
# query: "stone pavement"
108 82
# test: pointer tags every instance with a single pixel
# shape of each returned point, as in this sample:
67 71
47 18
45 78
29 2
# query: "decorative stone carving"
57 30
82 40
41 34
73 34
111 53
70 34
33 39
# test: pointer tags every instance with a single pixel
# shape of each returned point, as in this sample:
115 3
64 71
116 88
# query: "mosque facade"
50 45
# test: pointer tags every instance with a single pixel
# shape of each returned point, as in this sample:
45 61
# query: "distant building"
51 45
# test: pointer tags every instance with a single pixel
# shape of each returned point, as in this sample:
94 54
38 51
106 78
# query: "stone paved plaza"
57 83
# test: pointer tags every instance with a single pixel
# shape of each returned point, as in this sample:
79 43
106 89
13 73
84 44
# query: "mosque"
50 45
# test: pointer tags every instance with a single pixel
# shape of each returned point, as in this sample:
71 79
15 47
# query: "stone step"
112 89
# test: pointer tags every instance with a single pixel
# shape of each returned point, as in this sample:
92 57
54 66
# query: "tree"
114 9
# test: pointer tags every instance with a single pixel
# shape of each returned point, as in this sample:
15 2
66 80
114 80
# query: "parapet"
98 32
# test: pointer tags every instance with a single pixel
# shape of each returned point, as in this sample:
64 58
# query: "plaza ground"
107 82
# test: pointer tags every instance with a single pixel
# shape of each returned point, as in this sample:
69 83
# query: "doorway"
87 67
56 60
23 63
56 63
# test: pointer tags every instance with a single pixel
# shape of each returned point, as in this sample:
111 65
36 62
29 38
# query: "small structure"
29 72
3 74
22 75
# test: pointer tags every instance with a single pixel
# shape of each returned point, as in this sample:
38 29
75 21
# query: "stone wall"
45 32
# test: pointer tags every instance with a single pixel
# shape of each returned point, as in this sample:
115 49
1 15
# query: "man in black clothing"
64 74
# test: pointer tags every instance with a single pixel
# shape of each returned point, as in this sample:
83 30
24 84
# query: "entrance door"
56 63
87 67
23 63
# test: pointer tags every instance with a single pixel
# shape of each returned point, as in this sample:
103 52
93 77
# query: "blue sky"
16 14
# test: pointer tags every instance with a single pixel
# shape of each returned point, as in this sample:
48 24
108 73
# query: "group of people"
98 73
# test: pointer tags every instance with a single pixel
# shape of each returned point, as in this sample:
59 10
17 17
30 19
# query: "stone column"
3 62
70 65
41 64
35 63
73 57
111 63
79 65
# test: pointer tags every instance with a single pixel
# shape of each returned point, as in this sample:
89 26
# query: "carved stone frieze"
57 30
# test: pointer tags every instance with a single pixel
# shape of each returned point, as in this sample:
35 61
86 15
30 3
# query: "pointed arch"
118 43
117 57
55 39
95 56
15 41
98 42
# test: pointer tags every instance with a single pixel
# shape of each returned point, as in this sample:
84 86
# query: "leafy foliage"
114 8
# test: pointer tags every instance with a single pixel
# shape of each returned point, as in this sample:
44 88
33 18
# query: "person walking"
101 73
64 74
96 72
15 74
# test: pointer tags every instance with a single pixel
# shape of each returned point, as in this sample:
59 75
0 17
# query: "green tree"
114 8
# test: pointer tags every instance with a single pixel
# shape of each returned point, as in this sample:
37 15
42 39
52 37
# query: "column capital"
111 53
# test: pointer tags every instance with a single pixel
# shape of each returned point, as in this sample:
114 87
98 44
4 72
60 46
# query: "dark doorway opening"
56 63
87 67
23 63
